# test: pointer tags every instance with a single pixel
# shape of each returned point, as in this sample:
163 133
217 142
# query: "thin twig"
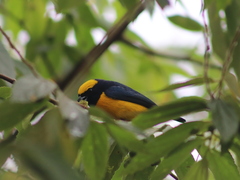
8 79
172 57
18 53
206 54
228 60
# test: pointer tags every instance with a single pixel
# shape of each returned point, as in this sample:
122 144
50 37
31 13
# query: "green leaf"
95 151
101 115
143 174
169 111
183 169
163 3
115 160
5 92
7 66
232 83
30 89
225 118
195 81
162 145
125 138
222 165
13 113
198 171
124 133
175 159
186 23
77 117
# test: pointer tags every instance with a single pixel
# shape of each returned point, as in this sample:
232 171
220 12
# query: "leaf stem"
206 54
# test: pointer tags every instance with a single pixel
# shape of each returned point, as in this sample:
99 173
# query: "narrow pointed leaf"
222 165
126 138
125 134
186 23
115 159
192 82
163 3
198 171
175 159
95 151
163 144
169 111
183 169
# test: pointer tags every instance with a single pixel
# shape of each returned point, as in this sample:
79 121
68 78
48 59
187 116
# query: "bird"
118 100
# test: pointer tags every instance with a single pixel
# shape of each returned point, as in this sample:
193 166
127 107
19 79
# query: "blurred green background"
163 49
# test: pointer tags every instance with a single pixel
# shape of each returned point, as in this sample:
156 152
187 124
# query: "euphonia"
120 101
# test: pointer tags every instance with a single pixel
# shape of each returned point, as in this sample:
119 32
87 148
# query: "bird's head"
91 91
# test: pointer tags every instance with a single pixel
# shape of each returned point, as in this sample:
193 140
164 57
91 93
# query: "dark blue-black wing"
125 93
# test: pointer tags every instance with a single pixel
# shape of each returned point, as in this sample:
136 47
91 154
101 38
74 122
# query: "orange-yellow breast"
119 109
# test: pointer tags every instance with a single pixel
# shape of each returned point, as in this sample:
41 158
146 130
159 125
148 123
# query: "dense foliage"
48 135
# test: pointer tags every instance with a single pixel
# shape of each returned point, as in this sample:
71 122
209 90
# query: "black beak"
82 98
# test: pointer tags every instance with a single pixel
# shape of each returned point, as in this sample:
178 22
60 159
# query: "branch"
18 53
207 54
8 79
84 64
172 57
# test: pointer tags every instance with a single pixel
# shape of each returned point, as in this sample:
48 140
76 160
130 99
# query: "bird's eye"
90 89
